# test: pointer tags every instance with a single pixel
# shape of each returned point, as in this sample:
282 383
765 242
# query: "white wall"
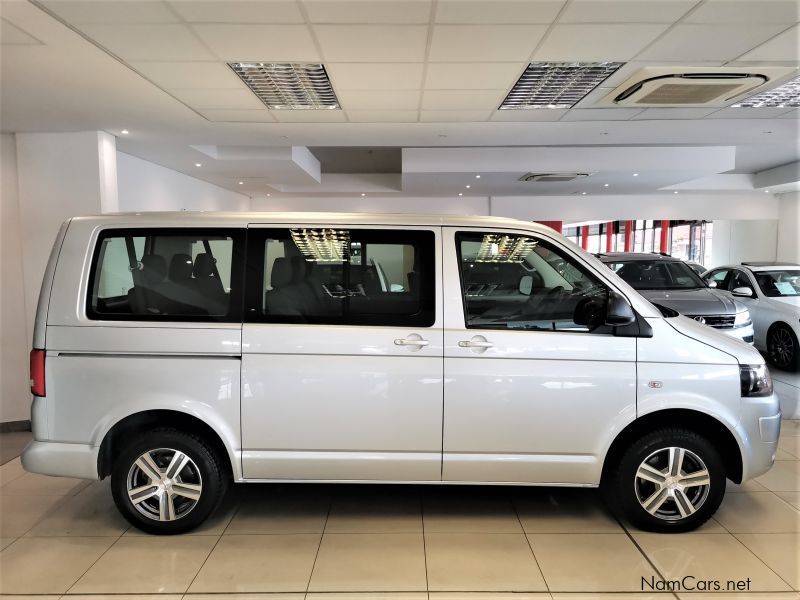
789 227
739 241
14 337
143 185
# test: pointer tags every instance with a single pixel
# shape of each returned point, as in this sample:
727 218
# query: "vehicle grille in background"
715 321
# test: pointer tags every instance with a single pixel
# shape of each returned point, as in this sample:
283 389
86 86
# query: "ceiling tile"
483 12
484 43
454 116
473 76
462 99
273 43
309 116
11 35
374 76
692 42
597 43
531 114
231 99
102 11
236 11
163 42
625 11
750 113
601 114
358 11
746 11
783 47
238 116
379 99
390 43
211 75
657 114
382 116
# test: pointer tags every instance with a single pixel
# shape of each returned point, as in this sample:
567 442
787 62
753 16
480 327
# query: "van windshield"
657 275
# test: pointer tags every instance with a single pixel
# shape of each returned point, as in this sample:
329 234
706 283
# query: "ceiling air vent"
686 87
289 86
556 85
552 177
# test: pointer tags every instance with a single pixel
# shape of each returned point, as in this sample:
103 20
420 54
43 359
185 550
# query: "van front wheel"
167 482
671 480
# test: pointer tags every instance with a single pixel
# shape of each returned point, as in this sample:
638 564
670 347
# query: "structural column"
628 236
557 225
609 236
665 237
585 237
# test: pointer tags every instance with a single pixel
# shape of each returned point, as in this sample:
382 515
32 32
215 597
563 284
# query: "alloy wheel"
672 483
781 348
164 484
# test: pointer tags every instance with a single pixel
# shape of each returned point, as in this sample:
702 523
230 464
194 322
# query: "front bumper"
759 430
61 460
746 334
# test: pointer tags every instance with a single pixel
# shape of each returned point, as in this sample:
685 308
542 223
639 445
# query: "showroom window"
167 275
519 282
341 276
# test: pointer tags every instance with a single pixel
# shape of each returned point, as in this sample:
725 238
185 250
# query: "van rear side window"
167 275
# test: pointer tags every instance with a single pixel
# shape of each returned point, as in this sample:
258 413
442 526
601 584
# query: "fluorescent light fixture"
786 95
288 86
496 248
557 85
323 245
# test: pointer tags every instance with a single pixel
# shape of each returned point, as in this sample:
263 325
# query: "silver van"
177 353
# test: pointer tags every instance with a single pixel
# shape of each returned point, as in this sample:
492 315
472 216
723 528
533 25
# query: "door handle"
475 344
410 342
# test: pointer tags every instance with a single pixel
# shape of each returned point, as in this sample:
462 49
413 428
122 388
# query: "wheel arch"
706 425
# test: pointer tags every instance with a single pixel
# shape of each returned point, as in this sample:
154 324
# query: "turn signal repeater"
37 372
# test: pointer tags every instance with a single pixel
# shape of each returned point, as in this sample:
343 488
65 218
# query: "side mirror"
743 292
618 311
526 285
711 283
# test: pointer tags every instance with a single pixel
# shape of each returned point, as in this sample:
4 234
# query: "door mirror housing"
743 292
711 283
619 312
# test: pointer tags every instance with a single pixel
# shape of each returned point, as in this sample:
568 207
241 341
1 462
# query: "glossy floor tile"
757 512
565 511
779 551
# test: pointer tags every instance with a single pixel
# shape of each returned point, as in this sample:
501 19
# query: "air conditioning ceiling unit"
664 87
552 177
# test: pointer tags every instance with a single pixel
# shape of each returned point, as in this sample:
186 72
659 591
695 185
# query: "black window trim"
237 234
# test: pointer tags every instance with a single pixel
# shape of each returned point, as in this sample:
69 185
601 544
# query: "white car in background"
771 291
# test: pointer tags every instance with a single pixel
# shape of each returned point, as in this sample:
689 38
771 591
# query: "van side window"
519 282
167 275
341 276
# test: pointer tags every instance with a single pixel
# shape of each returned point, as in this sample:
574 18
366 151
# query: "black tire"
204 468
622 488
782 347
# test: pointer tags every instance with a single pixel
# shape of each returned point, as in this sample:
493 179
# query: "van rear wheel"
671 480
167 482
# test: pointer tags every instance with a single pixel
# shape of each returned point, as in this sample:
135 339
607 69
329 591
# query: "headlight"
756 381
742 319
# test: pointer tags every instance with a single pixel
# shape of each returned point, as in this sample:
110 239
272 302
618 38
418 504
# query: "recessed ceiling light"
786 95
124 132
288 86
241 183
557 85
766 191
460 194
635 174
362 195
477 176
675 192
467 186
605 185
198 164
583 193
268 195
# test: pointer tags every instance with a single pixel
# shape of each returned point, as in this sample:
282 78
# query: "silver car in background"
670 282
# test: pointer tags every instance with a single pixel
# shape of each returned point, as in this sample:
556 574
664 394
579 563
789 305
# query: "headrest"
180 267
281 273
154 269
203 265
298 269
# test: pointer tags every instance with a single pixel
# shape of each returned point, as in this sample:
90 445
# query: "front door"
342 354
535 384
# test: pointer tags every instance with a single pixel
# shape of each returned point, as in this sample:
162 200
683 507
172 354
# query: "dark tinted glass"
657 275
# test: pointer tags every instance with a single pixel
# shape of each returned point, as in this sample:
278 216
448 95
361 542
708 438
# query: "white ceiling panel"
238 116
374 76
11 35
229 99
625 11
355 43
273 43
597 43
309 116
462 99
382 116
673 113
236 11
749 113
105 11
746 11
484 43
149 42
783 47
601 114
379 99
212 75
694 42
473 76
497 11
358 11
454 116
527 115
